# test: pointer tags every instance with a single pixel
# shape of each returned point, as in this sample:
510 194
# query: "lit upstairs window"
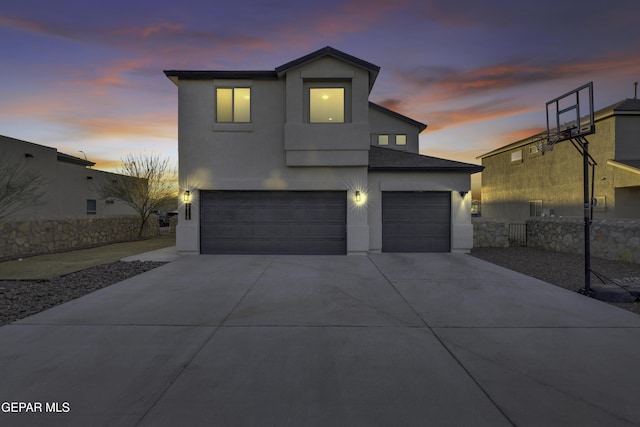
401 139
233 105
326 105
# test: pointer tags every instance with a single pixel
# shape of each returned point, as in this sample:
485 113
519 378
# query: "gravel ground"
19 299
22 298
562 269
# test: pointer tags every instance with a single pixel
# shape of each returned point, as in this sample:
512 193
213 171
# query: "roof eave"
176 75
74 160
372 69
461 169
620 165
385 110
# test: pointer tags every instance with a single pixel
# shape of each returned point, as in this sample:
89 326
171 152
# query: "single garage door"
416 221
273 222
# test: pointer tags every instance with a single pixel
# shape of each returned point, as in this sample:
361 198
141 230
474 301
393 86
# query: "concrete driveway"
378 340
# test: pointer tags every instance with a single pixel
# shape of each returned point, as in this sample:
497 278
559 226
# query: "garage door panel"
283 222
416 221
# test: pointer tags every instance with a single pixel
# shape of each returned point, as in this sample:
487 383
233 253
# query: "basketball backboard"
571 115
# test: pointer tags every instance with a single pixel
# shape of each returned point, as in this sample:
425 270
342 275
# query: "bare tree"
145 183
20 187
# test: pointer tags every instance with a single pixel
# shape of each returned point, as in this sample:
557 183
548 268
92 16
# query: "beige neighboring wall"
68 183
556 177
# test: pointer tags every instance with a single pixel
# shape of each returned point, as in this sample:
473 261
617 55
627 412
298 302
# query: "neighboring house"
70 186
297 160
519 181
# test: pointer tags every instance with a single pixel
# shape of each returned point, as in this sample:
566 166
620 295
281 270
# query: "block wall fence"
613 239
25 238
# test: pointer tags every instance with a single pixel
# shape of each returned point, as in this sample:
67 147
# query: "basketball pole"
564 125
587 217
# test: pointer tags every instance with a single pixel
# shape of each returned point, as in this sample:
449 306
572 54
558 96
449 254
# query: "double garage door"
314 222
273 222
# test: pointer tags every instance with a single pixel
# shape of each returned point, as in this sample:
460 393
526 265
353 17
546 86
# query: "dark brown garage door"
273 222
416 221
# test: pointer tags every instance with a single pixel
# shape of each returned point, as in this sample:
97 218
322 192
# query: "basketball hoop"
545 143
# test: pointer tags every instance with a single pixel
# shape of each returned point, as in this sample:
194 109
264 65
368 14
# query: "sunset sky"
87 75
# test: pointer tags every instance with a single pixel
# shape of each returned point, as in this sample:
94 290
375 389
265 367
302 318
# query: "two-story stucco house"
296 160
519 181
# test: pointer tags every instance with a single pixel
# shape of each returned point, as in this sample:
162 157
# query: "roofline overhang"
66 158
623 166
461 169
602 114
517 144
176 75
385 110
372 69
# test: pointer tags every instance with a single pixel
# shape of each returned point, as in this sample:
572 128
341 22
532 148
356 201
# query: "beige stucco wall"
66 185
556 177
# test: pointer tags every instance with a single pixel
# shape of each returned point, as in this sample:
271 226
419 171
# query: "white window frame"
516 156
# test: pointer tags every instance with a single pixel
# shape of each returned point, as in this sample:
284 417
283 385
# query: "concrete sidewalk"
384 339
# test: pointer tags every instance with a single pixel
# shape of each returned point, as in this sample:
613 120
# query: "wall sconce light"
186 197
462 193
358 197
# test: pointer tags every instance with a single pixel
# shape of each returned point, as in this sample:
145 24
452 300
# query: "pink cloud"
474 113
150 125
445 82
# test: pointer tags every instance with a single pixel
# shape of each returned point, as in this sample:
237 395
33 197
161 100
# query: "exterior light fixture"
462 193
186 197
358 197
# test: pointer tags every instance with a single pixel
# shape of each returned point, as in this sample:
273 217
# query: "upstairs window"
233 105
516 156
401 139
383 139
326 105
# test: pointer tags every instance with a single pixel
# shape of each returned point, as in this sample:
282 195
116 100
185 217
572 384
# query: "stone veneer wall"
490 233
614 239
42 236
